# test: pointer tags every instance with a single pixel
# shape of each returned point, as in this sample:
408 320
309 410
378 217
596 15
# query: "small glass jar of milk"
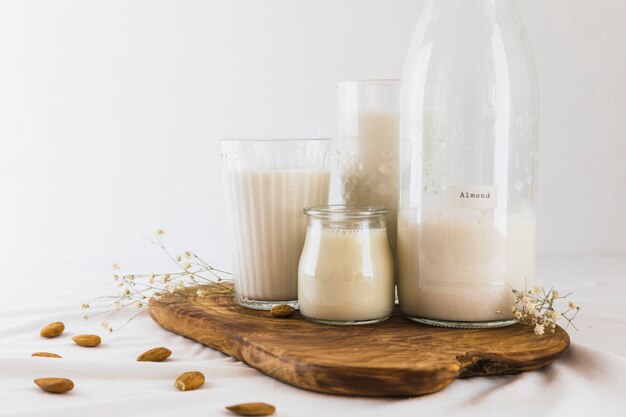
345 275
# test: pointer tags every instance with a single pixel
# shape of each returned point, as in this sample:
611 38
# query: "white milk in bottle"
468 146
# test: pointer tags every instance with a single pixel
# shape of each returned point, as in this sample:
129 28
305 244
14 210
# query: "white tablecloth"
589 378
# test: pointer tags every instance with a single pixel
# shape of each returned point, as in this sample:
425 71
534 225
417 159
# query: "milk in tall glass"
268 183
367 142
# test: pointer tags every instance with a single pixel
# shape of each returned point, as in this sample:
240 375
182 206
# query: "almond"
55 385
282 310
189 381
87 340
252 409
157 354
52 329
46 355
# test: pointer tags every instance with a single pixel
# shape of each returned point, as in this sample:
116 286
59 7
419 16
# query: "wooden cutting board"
395 358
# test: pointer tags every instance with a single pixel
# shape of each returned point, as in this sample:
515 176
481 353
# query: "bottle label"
475 196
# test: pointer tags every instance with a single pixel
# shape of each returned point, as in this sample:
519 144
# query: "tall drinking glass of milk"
367 145
468 146
268 182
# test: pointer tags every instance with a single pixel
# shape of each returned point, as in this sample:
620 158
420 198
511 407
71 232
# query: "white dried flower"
136 289
539 309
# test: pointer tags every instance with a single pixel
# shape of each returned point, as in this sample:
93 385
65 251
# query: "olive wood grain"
395 358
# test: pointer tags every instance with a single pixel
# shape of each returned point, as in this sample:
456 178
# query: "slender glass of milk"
267 184
345 275
367 145
468 146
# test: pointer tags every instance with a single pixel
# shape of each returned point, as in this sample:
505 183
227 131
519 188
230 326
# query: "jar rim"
342 211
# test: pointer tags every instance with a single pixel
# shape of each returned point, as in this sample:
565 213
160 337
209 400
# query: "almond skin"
55 385
282 310
46 355
252 409
157 354
189 381
87 340
52 329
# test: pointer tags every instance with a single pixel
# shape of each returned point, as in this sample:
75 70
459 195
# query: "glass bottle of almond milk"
468 148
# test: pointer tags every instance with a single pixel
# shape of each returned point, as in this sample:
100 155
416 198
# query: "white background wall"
110 113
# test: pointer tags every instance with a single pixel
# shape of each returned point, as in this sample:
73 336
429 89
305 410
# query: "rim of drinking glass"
374 81
342 211
290 140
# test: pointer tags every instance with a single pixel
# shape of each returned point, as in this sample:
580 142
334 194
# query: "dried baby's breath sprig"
538 309
137 289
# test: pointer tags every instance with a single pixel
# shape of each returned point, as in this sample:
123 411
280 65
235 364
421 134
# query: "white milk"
370 175
346 275
265 211
464 271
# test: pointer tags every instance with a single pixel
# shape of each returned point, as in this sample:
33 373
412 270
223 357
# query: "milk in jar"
346 269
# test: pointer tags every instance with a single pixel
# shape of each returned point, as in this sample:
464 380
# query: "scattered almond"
46 355
157 354
282 310
87 340
252 409
189 381
52 329
55 385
